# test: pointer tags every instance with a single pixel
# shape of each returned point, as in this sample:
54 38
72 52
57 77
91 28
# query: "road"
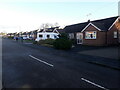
28 67
0 62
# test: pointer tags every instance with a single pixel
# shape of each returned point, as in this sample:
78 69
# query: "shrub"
63 35
73 41
62 43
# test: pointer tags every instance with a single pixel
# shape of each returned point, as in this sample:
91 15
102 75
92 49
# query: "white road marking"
41 61
94 84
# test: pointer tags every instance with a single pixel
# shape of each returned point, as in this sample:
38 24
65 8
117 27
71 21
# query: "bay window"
90 35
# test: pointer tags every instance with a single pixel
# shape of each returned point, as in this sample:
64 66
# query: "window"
48 36
55 36
71 35
115 34
40 36
90 35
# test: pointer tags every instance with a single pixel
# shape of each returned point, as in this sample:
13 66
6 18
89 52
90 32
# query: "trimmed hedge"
63 43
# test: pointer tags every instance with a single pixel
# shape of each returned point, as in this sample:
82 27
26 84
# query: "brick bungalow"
96 33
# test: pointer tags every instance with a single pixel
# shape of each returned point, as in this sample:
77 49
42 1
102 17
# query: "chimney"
89 21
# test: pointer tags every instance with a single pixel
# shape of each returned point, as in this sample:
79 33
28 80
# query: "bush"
63 35
73 41
47 41
62 43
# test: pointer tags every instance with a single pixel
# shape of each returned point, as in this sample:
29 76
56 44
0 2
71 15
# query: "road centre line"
41 61
94 84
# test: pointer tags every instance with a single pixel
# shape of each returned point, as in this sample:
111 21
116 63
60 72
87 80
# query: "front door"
79 37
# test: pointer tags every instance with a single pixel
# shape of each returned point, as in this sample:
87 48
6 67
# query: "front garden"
61 43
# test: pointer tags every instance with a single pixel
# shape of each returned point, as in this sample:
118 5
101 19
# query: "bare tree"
56 24
48 25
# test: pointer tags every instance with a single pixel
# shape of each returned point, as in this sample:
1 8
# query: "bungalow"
24 35
33 34
47 33
28 34
97 33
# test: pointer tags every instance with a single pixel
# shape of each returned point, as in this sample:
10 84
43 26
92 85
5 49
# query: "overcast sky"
27 15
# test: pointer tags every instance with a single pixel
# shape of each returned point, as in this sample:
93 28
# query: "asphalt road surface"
27 67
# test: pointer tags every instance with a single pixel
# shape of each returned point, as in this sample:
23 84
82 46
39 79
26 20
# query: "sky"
28 15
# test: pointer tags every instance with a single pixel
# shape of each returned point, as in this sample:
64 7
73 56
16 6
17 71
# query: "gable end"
92 25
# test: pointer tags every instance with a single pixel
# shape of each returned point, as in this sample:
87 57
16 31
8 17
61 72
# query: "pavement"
108 52
34 66
109 56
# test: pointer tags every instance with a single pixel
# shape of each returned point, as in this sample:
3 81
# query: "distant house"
28 35
12 34
33 34
47 33
24 35
98 32
9 34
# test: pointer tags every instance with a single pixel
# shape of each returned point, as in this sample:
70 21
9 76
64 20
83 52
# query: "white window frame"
71 35
88 32
115 34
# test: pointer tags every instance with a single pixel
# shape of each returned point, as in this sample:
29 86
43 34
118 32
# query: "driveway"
108 52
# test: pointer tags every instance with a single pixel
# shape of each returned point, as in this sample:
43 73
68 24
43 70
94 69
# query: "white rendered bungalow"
48 33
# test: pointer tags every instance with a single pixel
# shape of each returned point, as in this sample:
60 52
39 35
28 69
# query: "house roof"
76 27
35 31
61 30
24 33
49 29
102 24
